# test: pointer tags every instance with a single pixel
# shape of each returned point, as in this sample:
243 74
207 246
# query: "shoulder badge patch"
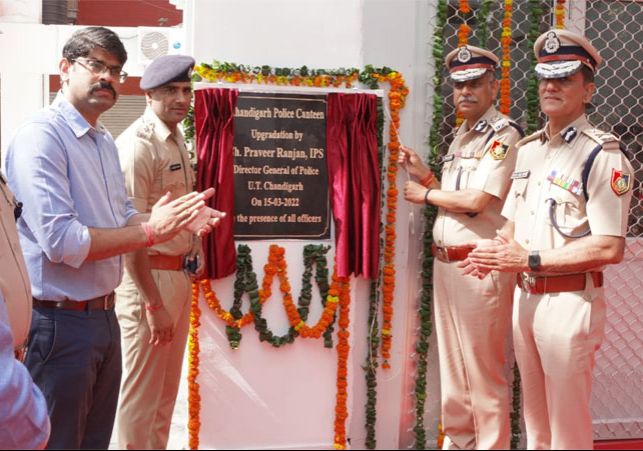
499 150
621 182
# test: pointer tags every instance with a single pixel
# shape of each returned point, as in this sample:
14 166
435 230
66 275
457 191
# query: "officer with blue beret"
154 299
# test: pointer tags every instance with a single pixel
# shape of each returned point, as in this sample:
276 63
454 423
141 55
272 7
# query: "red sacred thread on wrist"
427 180
148 232
154 308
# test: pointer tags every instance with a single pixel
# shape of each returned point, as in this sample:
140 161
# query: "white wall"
298 382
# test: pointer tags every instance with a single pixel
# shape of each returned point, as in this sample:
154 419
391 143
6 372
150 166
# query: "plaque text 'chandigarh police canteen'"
280 172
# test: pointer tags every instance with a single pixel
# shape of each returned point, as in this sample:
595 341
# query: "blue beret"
167 69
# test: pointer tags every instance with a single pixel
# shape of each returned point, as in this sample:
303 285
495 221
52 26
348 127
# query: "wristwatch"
534 261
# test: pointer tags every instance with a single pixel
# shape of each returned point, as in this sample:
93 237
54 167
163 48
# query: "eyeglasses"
98 68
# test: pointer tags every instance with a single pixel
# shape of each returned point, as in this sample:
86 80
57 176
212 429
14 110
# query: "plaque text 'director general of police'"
280 172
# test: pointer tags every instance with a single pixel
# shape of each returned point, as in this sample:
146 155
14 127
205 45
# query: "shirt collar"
569 133
483 123
72 117
160 128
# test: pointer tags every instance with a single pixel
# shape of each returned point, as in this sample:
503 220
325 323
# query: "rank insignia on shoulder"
175 167
499 150
144 131
448 158
621 182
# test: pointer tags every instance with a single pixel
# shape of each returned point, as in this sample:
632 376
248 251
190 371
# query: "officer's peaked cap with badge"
167 69
469 63
562 53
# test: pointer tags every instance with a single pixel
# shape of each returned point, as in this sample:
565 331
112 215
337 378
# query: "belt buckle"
443 254
528 282
20 353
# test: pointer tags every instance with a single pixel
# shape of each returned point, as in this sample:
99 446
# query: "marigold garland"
245 282
371 77
505 82
397 101
194 397
343 350
425 309
560 14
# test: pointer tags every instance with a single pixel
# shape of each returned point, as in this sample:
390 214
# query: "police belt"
166 262
533 284
100 303
451 254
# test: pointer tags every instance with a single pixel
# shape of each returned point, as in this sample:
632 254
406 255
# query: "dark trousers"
75 359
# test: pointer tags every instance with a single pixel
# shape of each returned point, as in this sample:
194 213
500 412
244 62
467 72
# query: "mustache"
470 99
103 85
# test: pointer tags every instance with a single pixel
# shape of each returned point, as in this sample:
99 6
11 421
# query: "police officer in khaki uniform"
24 422
154 300
14 278
472 316
567 214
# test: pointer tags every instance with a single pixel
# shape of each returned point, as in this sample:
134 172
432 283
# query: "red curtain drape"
214 123
354 180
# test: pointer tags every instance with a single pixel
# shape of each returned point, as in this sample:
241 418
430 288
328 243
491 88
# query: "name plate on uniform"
280 169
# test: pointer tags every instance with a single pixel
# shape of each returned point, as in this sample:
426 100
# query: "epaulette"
145 130
499 123
529 139
607 140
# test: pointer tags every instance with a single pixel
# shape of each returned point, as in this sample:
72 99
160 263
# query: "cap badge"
190 70
464 55
552 45
620 182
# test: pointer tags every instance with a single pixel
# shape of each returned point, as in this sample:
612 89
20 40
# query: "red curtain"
214 123
354 180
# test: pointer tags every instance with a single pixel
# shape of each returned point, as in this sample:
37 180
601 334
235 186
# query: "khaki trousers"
472 319
152 373
555 338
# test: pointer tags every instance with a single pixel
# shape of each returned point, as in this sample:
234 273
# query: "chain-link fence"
615 29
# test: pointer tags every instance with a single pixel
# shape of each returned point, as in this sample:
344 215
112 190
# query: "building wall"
128 13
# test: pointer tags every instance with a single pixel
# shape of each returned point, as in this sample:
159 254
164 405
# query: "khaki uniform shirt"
482 158
550 168
14 279
154 161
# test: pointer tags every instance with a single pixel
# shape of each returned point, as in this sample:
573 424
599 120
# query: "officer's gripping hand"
412 163
414 192
161 326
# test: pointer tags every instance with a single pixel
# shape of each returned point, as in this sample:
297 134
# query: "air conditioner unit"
154 42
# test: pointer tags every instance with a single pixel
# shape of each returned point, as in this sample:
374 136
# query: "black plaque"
280 172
